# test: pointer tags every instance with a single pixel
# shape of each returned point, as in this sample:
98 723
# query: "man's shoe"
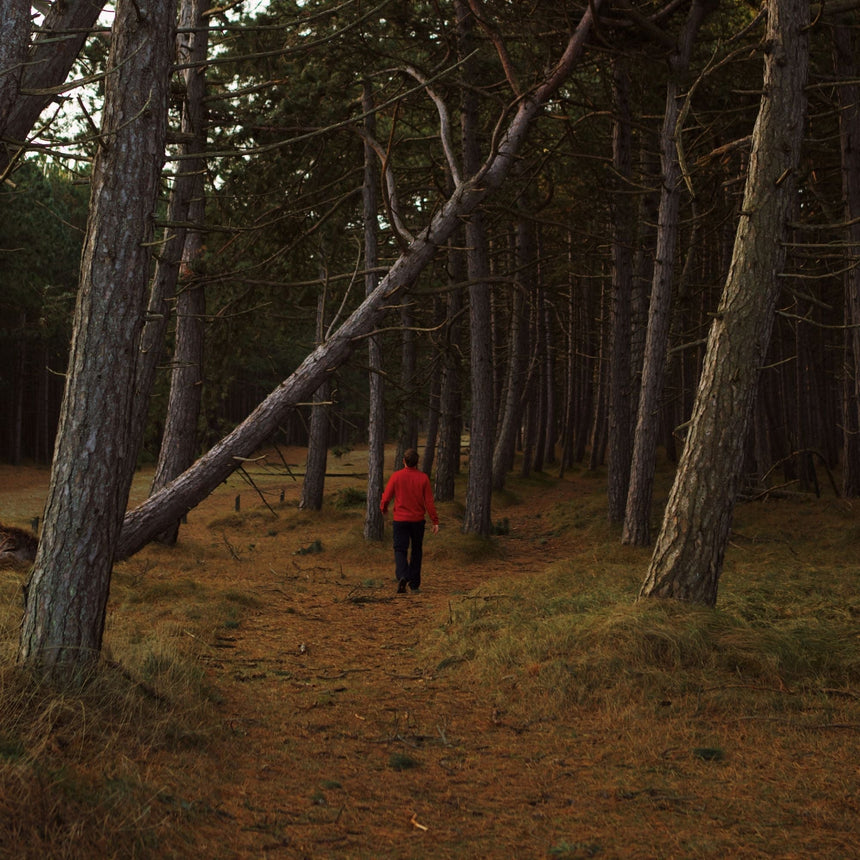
401 586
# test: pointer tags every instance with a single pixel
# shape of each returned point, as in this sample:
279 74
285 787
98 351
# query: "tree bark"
688 555
431 437
182 250
14 45
68 589
569 385
518 359
848 91
620 440
407 436
451 394
550 418
374 522
600 426
543 380
313 486
479 489
637 517
63 33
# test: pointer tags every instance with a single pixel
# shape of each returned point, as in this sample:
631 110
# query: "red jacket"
410 489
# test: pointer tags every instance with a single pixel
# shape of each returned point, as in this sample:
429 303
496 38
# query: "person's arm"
387 495
430 506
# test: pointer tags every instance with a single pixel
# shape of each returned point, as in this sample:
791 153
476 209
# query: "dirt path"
344 743
355 726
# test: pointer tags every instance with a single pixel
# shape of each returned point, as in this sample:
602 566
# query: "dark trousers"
405 567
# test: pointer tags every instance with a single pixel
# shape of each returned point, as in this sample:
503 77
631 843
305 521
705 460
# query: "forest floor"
344 720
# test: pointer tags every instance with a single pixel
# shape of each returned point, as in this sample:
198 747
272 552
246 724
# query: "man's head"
410 458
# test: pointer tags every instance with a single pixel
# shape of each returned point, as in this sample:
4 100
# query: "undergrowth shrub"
570 637
350 497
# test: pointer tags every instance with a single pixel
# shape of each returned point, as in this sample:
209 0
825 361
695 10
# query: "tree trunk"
63 33
431 438
14 45
620 440
374 523
518 359
569 386
482 420
637 517
600 426
848 92
450 396
688 555
313 486
550 418
15 408
148 519
543 382
179 445
586 345
407 435
68 589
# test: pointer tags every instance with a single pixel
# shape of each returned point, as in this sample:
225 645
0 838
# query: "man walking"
413 497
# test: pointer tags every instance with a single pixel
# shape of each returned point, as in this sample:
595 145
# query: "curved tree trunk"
688 555
68 589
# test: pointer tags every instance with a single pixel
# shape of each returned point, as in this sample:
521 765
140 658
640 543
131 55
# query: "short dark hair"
411 458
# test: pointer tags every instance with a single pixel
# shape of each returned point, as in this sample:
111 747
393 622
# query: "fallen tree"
147 520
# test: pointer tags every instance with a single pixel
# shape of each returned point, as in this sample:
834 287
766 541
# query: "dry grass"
524 705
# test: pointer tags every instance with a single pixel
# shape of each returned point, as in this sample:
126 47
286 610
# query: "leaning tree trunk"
688 555
637 516
374 523
148 519
67 593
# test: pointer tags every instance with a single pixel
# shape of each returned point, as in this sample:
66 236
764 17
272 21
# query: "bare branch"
444 122
499 45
